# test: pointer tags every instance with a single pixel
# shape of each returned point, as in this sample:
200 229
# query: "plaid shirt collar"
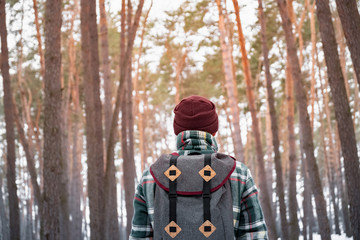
190 141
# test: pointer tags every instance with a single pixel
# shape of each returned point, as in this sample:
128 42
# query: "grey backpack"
193 197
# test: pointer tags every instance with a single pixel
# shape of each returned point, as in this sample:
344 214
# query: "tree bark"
10 134
53 159
305 127
342 112
125 61
76 185
350 21
229 85
330 168
141 116
275 133
111 216
76 180
94 139
294 227
106 69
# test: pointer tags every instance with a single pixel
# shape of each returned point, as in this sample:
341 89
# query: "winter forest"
88 91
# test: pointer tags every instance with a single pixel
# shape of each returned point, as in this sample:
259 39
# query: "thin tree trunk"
111 216
38 37
30 162
265 195
65 148
138 97
311 9
305 205
305 127
350 21
334 153
10 135
275 134
125 61
294 227
339 36
229 85
94 139
329 161
106 69
342 112
76 181
53 161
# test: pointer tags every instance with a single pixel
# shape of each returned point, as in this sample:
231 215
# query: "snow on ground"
333 237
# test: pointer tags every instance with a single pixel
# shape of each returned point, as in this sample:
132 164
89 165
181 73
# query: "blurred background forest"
88 90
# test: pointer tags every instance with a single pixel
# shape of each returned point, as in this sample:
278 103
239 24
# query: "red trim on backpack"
199 192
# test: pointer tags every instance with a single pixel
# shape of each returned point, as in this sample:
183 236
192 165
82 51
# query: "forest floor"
333 237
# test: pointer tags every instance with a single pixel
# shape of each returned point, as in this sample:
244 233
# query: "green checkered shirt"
249 222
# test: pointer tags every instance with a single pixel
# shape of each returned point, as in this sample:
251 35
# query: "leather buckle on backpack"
172 173
207 173
172 229
207 228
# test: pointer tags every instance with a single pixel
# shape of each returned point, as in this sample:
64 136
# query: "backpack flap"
190 172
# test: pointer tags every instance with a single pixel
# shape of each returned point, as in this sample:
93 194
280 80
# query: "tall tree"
305 127
265 194
289 92
111 216
53 162
127 147
106 68
229 85
342 112
94 137
276 144
350 20
10 135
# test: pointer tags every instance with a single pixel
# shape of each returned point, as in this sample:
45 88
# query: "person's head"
196 113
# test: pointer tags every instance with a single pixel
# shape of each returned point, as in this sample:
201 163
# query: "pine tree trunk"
329 162
10 135
94 139
30 161
76 181
275 134
342 112
305 205
229 85
305 127
52 121
125 62
106 69
294 227
350 21
111 216
38 37
141 116
335 155
65 148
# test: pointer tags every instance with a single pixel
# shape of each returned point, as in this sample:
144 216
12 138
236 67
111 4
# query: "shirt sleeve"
249 222
141 228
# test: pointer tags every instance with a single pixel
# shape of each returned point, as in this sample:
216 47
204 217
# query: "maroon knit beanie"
195 113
